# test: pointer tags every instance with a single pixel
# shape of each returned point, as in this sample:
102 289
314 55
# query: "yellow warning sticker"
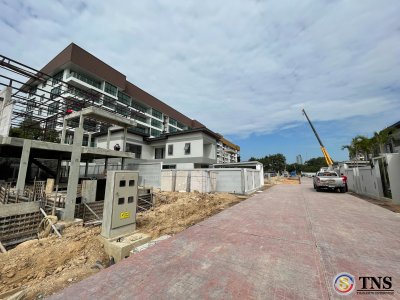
124 215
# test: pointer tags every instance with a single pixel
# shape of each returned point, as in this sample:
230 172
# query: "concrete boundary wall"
367 180
230 180
149 173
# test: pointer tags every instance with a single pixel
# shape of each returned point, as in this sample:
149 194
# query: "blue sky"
243 68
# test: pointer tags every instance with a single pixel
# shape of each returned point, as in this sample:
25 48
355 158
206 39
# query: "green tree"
29 129
314 164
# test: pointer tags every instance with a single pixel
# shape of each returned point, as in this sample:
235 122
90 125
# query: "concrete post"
108 138
63 131
73 178
89 139
58 170
86 167
23 165
125 134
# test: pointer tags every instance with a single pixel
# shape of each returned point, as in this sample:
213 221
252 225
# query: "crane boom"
328 159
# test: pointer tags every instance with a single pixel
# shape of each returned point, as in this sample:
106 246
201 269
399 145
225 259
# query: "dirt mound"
46 265
176 211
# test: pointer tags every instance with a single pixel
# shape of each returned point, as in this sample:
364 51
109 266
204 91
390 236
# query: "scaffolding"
30 100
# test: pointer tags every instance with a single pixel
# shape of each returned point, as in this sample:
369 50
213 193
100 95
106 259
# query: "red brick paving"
285 243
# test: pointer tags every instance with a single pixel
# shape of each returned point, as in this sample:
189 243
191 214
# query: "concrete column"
73 177
23 165
86 167
63 131
89 139
122 163
58 170
108 138
125 134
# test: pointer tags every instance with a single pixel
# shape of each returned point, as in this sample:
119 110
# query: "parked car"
329 180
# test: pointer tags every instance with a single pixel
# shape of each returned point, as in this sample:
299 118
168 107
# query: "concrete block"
120 248
182 181
89 188
200 181
168 181
49 186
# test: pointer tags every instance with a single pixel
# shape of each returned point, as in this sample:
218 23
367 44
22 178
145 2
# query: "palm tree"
351 149
381 138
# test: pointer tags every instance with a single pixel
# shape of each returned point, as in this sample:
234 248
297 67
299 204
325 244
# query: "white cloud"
239 67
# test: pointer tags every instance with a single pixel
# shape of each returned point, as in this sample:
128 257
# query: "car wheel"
318 189
343 190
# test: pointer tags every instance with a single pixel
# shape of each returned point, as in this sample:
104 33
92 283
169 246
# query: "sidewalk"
285 243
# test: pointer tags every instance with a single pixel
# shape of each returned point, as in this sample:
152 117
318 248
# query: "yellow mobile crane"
328 159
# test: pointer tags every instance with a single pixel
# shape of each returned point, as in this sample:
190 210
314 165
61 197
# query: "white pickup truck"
329 180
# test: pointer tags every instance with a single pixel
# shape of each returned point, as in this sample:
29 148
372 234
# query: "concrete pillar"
58 170
125 134
63 131
86 167
89 139
23 165
108 138
73 177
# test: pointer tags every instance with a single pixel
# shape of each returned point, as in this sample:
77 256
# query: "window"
30 105
110 89
122 110
139 129
180 125
155 132
40 105
131 182
187 148
109 102
55 92
32 91
58 77
159 153
121 201
139 107
140 118
172 121
137 149
130 199
122 183
87 79
124 98
156 123
169 167
170 149
156 113
53 108
172 129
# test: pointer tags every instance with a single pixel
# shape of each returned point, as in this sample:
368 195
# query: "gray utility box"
119 215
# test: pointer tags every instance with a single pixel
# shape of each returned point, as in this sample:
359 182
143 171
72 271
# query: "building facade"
74 71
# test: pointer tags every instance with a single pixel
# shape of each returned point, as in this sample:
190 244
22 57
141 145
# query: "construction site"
69 208
90 195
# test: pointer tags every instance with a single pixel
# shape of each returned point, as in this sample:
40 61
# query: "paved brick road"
285 243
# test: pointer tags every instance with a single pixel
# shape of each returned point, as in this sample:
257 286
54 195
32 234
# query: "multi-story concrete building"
227 152
75 70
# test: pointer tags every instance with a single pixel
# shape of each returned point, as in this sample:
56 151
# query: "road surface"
288 242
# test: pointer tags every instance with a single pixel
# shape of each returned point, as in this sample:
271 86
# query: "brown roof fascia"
97 67
228 143
145 98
